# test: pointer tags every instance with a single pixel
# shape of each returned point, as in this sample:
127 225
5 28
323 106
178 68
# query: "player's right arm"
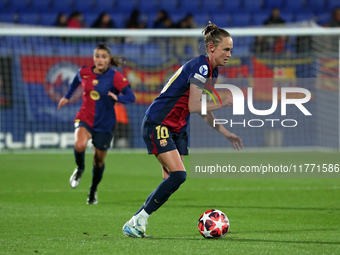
234 139
73 86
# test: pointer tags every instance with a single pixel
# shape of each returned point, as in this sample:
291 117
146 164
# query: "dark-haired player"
96 119
165 122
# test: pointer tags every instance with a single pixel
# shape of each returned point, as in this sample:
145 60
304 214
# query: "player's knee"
98 163
180 176
80 147
183 176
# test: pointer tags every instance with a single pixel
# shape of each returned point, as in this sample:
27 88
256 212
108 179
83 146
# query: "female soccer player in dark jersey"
96 119
165 122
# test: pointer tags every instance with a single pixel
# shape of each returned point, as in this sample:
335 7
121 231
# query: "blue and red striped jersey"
97 109
171 107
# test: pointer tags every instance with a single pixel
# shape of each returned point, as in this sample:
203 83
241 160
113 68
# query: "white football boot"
136 227
75 178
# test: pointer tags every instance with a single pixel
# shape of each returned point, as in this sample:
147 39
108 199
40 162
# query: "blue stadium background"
226 13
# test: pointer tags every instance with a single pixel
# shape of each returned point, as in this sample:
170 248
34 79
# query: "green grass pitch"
41 214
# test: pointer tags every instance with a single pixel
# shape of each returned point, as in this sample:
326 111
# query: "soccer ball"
213 224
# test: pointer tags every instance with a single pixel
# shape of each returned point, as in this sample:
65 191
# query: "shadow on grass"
281 231
134 202
233 239
282 241
258 207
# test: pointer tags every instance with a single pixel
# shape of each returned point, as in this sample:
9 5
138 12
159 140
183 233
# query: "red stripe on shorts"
154 150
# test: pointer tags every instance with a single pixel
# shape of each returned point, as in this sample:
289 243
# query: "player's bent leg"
177 176
174 175
136 226
165 173
81 137
165 190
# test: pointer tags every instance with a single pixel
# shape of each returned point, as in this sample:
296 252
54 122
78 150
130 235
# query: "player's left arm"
195 103
122 85
210 119
127 97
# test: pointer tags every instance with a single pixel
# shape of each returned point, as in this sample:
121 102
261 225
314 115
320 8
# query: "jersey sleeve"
199 73
127 97
74 85
119 81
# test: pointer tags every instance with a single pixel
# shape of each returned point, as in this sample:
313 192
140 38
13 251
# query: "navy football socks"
164 191
147 200
97 175
80 160
143 206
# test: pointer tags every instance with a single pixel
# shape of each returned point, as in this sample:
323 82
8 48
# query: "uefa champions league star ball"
213 224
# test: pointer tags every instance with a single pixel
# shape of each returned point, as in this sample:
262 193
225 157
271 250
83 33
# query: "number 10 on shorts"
162 132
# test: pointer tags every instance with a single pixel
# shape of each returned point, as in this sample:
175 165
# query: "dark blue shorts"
100 140
159 139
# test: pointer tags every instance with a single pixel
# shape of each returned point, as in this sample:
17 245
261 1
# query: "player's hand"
235 141
62 102
228 101
113 96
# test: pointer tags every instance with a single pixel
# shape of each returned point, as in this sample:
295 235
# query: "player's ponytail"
115 61
213 34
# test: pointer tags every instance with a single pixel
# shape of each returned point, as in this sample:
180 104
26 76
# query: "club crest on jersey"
94 82
163 142
203 69
94 95
76 123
